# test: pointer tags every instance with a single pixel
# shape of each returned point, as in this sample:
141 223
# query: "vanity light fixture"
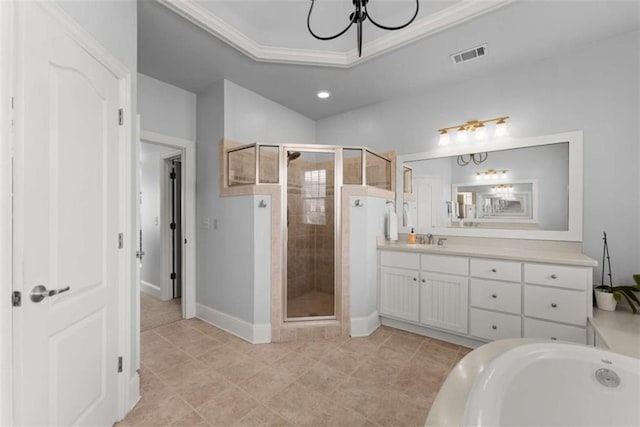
358 16
502 189
492 174
478 128
444 138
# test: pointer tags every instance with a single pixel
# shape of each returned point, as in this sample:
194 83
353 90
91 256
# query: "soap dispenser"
412 237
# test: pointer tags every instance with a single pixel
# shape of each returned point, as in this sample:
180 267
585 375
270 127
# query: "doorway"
160 239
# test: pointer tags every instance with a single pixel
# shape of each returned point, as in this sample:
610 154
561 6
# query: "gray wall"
367 223
593 88
233 261
166 109
151 165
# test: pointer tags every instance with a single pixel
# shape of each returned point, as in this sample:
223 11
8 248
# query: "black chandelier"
358 17
476 158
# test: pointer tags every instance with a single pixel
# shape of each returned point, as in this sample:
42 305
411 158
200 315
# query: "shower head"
292 155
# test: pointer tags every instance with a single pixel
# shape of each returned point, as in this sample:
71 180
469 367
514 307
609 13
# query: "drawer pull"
553 276
493 270
494 327
494 296
554 305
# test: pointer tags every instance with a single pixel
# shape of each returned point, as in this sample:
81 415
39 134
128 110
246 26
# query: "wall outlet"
206 223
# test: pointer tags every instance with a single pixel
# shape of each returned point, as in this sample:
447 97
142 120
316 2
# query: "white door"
66 209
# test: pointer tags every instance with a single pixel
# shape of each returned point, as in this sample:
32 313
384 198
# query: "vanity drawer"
445 264
501 296
400 260
559 305
499 270
557 275
494 326
540 329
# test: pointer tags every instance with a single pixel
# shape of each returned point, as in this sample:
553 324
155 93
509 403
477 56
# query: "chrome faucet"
430 239
441 241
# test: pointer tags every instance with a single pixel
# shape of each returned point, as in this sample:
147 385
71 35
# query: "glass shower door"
310 235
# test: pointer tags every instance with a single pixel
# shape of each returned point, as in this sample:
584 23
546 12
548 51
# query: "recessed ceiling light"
323 94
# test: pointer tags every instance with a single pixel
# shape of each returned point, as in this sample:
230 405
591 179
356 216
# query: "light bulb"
478 175
481 132
323 94
504 174
462 134
501 128
444 138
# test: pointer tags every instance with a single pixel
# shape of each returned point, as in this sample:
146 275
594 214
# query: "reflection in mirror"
522 189
407 174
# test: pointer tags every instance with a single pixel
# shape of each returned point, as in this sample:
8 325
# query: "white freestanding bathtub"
540 384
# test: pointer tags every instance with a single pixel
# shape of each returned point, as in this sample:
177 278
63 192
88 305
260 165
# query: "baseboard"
134 391
433 333
150 289
365 326
255 334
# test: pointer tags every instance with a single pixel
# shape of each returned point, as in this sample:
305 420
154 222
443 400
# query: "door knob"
40 292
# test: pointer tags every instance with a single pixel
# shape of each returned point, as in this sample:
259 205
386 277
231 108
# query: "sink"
556 384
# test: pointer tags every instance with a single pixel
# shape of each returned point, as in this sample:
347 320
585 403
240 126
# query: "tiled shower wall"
310 254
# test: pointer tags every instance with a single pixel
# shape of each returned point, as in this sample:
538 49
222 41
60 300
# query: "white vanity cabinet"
444 289
482 299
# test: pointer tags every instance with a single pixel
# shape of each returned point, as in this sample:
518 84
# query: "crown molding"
439 21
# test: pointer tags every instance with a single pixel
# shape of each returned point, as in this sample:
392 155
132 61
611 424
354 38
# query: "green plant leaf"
636 277
633 307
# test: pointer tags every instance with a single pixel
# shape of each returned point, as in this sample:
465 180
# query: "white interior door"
66 228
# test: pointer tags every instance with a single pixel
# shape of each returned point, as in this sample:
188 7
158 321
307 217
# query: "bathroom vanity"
512 263
470 295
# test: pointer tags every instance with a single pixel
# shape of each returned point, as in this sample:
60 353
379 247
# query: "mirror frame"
575 140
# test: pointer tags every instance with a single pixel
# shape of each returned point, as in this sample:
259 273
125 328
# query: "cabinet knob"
554 305
424 281
493 270
554 338
415 279
553 276
494 327
494 296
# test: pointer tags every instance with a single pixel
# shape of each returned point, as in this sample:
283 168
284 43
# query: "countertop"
527 255
620 330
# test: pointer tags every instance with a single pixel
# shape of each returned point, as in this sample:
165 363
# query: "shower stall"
311 231
310 178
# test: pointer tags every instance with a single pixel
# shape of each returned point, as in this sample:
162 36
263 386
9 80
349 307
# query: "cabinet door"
399 293
444 301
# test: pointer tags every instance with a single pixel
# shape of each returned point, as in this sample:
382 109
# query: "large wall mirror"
527 188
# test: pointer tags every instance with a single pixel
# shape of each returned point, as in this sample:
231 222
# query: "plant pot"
605 301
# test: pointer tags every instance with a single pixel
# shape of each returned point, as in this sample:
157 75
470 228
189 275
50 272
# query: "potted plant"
608 296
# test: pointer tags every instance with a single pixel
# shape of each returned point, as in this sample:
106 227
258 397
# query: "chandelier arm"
330 37
384 27
461 161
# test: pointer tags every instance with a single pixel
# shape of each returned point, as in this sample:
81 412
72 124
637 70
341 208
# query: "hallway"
194 374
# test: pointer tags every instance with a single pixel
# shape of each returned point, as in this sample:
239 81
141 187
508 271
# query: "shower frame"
337 229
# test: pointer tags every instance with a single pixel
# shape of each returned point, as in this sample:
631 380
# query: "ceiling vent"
469 54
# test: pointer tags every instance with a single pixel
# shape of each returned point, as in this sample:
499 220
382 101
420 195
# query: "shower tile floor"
193 374
312 303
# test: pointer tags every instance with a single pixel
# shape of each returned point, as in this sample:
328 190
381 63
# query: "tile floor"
154 313
193 374
312 303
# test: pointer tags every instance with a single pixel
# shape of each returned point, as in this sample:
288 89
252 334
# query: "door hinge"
119 364
120 240
173 276
120 116
12 104
172 226
16 299
172 175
